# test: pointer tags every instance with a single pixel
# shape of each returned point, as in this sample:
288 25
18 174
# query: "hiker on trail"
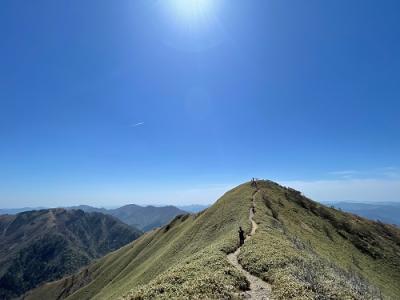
241 236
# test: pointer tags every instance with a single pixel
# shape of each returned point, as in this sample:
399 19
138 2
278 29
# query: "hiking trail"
259 289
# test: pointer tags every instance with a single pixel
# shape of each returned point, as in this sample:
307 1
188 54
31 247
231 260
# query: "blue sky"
112 102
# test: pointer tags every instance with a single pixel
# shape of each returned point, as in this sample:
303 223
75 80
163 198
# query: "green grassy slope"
305 250
189 253
308 250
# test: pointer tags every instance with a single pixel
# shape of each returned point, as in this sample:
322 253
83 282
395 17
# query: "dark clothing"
241 236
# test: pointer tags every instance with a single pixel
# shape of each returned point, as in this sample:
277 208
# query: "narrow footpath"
259 289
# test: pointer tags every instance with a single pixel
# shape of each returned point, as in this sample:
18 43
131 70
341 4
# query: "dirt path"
259 289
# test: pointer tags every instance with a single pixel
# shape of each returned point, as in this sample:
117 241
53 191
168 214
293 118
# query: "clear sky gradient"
174 101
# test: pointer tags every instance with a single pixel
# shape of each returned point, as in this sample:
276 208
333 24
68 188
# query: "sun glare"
192 11
191 25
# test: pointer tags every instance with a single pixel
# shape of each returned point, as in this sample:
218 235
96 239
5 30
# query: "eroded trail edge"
259 289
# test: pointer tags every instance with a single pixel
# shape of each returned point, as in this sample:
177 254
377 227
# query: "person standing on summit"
254 182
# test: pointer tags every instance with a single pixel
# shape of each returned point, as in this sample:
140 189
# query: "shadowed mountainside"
304 250
45 245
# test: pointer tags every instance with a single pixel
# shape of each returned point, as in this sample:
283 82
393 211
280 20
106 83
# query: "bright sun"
191 25
192 10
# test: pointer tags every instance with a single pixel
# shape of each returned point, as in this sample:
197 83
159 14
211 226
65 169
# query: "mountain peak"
301 248
43 245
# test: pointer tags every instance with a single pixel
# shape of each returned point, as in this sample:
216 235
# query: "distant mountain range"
44 245
144 218
298 249
14 211
194 208
387 212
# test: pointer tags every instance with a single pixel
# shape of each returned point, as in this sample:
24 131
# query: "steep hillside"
45 245
298 249
143 217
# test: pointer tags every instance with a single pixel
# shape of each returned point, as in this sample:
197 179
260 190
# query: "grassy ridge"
310 251
305 250
190 250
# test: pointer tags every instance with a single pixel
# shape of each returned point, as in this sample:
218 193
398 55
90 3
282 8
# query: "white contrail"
137 124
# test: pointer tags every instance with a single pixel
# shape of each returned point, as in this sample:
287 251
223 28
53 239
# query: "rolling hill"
296 249
44 245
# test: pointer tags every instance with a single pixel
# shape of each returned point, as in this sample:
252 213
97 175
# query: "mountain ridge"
44 245
142 217
301 248
145 217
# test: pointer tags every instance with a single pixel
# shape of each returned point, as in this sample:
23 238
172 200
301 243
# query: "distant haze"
354 190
